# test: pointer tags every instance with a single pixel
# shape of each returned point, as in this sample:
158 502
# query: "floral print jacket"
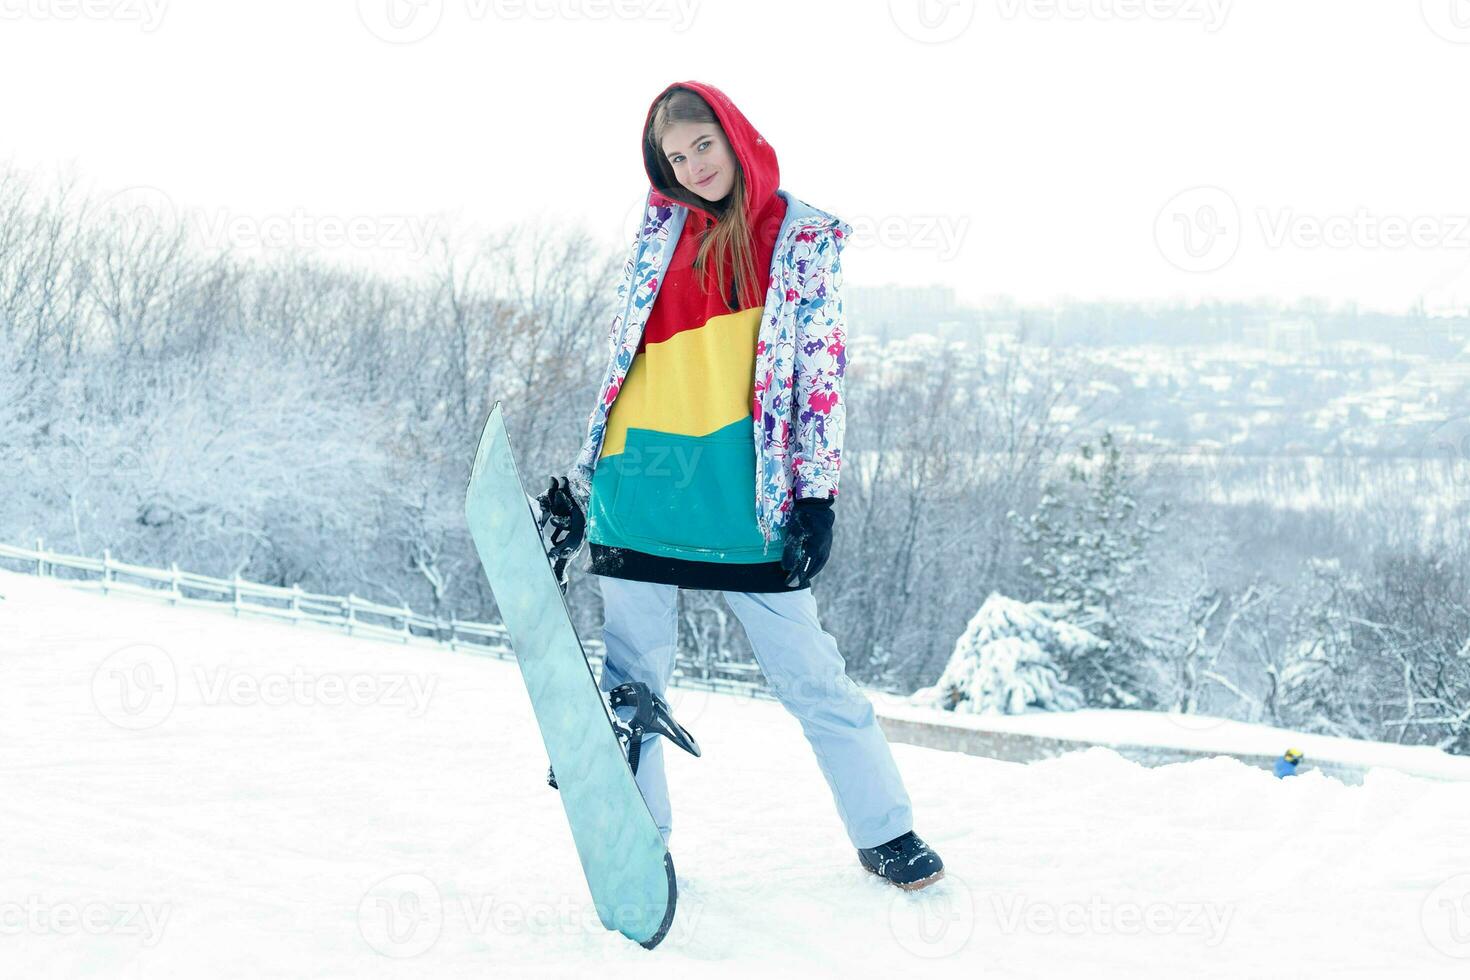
800 354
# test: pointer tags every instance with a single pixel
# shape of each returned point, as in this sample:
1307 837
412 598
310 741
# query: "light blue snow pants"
804 670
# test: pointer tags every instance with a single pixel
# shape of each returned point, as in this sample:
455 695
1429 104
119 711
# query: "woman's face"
701 157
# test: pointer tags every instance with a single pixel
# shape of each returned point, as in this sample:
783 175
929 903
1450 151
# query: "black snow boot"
906 861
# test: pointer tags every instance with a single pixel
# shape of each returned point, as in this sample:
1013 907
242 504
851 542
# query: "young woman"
712 454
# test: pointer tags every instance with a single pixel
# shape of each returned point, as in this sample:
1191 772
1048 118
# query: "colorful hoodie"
717 398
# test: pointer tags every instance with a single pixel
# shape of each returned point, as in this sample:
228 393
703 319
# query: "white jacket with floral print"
800 354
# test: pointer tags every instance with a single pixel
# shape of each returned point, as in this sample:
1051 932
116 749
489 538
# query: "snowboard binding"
560 509
651 715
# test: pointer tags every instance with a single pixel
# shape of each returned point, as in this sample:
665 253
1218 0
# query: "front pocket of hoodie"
694 493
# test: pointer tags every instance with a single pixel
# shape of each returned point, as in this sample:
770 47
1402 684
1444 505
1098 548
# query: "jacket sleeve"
821 360
625 285
580 474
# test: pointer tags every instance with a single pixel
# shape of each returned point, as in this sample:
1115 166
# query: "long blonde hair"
728 242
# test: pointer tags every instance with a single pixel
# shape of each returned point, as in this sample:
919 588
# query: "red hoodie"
671 497
757 159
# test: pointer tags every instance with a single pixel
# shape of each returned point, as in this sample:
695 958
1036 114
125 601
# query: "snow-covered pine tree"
1087 541
1316 687
1007 661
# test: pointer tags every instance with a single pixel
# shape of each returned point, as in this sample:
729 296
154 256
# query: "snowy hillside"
188 794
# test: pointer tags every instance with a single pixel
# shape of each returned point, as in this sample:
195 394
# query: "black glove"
808 540
568 522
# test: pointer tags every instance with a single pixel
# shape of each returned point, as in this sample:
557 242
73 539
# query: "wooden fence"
352 613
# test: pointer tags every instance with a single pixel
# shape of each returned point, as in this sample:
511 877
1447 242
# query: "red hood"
757 158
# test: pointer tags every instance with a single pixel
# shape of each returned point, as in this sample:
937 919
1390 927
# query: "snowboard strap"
650 714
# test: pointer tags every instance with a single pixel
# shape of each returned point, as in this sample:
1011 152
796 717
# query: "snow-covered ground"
187 794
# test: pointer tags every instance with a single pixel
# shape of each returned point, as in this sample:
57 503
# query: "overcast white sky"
1042 149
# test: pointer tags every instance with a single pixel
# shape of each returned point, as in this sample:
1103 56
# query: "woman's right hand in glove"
568 522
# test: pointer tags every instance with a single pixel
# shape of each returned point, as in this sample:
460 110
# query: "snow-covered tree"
1007 661
1316 687
1087 541
1383 653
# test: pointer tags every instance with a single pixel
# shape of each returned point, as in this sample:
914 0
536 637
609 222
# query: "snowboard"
629 871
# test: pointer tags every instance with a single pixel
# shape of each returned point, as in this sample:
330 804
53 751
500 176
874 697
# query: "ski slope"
187 794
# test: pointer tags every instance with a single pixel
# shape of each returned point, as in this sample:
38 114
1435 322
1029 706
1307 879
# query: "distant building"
881 304
1444 304
1293 336
887 312
1445 374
